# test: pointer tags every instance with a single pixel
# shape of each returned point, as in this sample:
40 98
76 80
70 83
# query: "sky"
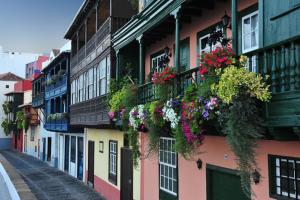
35 26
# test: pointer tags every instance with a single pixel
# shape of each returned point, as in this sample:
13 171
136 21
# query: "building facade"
265 32
67 142
92 67
7 82
34 68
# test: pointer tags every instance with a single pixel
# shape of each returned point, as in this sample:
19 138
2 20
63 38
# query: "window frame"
156 56
113 177
250 15
273 177
103 76
165 165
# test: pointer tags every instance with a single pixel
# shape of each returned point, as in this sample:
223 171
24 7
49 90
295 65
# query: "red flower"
203 70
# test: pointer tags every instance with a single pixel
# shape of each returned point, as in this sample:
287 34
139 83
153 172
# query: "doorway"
67 153
91 153
72 169
126 174
44 149
49 149
223 184
80 158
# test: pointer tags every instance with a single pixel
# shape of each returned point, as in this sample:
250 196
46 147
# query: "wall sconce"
101 146
256 177
226 21
199 163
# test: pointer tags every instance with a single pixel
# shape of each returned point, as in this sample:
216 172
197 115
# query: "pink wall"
214 151
106 190
208 18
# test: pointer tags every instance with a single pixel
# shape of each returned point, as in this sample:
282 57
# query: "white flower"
170 115
137 117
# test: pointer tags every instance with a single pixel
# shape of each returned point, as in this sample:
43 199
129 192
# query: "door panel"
72 169
126 174
80 158
223 184
67 151
91 152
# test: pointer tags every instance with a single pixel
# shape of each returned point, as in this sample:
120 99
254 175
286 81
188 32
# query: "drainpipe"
234 25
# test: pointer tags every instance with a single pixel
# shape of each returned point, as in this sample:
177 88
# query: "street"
48 183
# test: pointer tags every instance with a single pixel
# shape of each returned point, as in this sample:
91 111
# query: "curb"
17 187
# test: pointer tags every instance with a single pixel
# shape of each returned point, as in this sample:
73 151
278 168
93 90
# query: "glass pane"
246 26
175 173
292 186
175 187
298 170
254 39
162 170
162 182
170 185
284 184
170 172
173 159
247 41
254 22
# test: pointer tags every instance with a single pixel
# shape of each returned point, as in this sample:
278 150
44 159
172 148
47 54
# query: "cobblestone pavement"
48 183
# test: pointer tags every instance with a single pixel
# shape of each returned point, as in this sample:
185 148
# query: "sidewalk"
48 183
21 187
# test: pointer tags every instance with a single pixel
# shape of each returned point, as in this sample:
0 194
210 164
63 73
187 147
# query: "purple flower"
200 99
205 114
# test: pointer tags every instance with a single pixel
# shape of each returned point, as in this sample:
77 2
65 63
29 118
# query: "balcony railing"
59 87
281 62
57 124
38 100
147 92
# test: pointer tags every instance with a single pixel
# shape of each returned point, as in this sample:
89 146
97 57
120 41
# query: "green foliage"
7 107
242 135
234 78
21 121
181 145
7 126
133 137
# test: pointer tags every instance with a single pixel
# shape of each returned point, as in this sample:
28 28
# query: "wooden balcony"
38 100
281 62
146 92
95 46
58 88
90 113
60 125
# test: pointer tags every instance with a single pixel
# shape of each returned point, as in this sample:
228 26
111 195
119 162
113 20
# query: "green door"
223 184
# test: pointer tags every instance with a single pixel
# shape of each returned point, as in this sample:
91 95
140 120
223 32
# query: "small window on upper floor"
6 86
250 32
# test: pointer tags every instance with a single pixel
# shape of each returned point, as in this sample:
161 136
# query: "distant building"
7 82
33 69
15 62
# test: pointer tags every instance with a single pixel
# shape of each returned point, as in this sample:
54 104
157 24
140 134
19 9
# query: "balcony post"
117 65
77 35
234 24
141 60
96 9
85 36
176 14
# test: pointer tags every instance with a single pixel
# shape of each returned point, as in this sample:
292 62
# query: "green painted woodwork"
234 24
117 65
166 196
177 40
141 61
281 20
223 184
184 55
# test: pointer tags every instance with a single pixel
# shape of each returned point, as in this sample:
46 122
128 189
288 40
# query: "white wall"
4 90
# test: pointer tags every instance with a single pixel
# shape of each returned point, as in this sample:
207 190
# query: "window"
90 83
80 91
102 76
73 149
284 177
32 133
86 84
107 73
250 32
155 62
167 166
204 45
6 86
251 64
73 92
113 160
95 82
